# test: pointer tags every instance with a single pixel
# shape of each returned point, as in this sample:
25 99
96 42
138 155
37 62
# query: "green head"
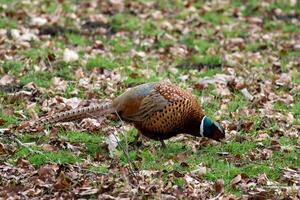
211 129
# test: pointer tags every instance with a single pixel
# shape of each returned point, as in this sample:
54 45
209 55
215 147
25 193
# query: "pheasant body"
158 110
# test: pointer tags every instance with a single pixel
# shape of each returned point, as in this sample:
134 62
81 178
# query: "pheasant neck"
205 126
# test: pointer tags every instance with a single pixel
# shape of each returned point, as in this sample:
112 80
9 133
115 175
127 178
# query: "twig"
26 146
125 151
132 165
13 137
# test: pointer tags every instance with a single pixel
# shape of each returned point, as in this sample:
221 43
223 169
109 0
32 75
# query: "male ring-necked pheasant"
158 110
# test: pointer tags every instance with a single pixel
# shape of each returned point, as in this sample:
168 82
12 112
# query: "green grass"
203 29
60 157
201 46
65 70
208 59
40 78
236 32
120 45
251 8
36 54
12 66
150 28
8 119
8 23
102 169
78 39
124 21
209 157
203 61
290 28
136 80
237 102
255 46
170 4
101 62
91 141
216 18
280 106
284 6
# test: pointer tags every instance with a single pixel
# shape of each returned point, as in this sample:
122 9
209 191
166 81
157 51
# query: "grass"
8 119
130 32
101 62
216 18
256 46
150 29
36 54
91 141
120 45
60 157
12 66
78 39
124 21
40 78
237 102
8 23
64 70
201 46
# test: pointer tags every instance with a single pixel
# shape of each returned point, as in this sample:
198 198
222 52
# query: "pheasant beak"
218 132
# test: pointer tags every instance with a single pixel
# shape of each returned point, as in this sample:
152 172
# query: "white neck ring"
202 127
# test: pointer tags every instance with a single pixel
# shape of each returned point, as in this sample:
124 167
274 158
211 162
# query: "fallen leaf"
62 182
219 186
235 180
6 80
38 21
112 141
283 80
48 147
70 55
92 124
247 94
2 122
46 171
88 191
2 149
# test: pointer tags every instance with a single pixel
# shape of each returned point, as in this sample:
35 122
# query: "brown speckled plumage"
158 110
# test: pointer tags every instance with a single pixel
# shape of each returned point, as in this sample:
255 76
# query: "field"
240 58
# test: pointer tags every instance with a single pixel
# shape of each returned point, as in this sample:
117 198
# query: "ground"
240 58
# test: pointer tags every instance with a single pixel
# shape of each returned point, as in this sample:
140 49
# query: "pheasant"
159 110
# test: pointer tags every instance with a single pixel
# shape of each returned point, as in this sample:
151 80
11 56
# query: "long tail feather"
75 114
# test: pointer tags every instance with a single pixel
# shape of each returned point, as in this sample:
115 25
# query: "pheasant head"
211 129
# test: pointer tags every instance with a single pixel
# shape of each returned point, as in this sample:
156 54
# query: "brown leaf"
266 154
92 124
62 182
88 191
262 179
2 149
182 157
45 171
236 180
184 164
48 147
2 122
7 80
219 186
283 80
200 171
23 163
177 174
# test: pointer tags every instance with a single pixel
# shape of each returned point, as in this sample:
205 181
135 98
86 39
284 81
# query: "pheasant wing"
156 100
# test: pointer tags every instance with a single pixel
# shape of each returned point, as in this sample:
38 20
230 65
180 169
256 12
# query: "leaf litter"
255 63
